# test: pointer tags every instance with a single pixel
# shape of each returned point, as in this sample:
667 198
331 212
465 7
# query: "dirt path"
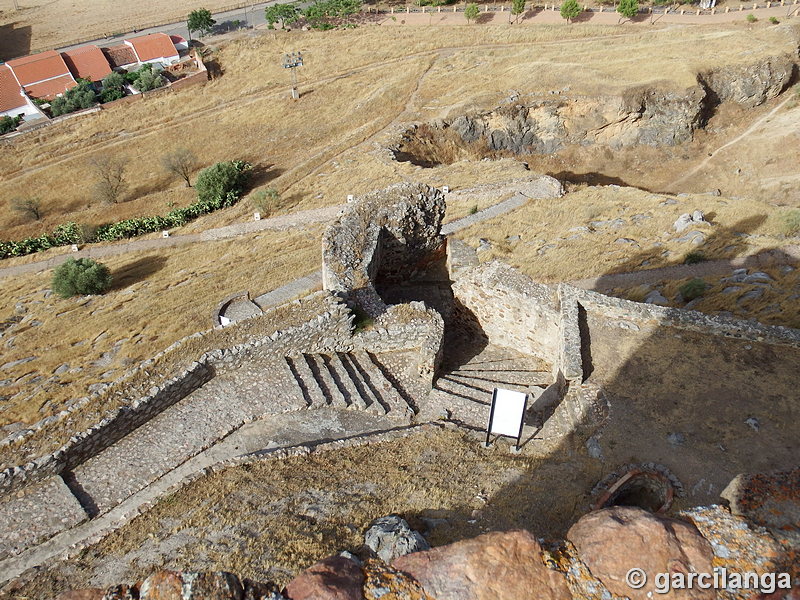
749 131
783 255
298 219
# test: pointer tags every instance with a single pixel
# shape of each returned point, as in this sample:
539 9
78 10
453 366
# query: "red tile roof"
87 62
120 55
10 92
38 67
51 88
155 45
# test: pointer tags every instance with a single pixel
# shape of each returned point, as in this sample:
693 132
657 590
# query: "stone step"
283 383
344 379
463 391
315 397
498 378
383 389
372 402
326 381
488 385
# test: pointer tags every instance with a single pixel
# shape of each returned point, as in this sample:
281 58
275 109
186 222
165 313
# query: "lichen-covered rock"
615 540
335 578
739 546
382 582
84 594
493 566
176 585
391 537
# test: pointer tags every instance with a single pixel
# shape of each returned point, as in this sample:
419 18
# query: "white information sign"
507 414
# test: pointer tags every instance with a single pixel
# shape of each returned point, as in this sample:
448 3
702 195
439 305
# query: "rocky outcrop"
750 85
649 116
335 578
494 566
602 548
613 541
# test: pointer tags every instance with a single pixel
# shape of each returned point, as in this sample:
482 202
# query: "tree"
285 13
320 13
80 97
517 8
28 207
570 9
80 277
8 124
218 180
472 12
148 80
111 182
200 20
113 87
628 8
181 162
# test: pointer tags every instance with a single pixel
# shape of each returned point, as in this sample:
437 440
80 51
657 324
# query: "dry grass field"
156 299
359 89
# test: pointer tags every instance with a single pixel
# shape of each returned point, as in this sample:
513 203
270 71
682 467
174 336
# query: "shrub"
692 289
473 210
471 12
215 182
266 200
694 257
80 277
790 222
774 20
751 18
180 162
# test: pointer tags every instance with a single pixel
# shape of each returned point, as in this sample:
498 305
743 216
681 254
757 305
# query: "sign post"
507 415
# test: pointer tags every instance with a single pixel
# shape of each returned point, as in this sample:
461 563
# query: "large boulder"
613 541
493 566
391 537
335 578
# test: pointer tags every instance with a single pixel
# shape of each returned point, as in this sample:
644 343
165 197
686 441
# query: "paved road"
250 16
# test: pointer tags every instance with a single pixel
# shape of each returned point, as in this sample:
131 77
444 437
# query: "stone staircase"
256 388
475 383
353 380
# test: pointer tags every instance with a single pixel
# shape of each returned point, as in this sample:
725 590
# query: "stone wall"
387 234
409 326
510 308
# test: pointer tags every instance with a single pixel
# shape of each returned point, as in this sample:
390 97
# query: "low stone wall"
385 234
320 323
511 309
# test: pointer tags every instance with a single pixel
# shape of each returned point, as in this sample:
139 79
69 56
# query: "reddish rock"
86 594
162 585
122 592
615 540
335 578
493 566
